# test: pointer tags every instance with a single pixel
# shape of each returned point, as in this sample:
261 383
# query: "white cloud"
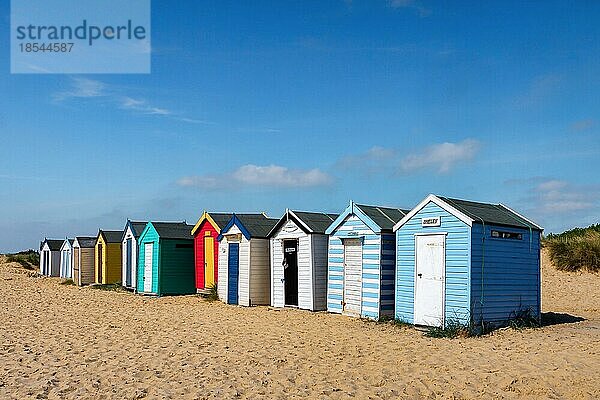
441 157
260 176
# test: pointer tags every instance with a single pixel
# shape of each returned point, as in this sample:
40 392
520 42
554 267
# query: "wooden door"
128 262
290 272
148 261
209 261
429 280
352 277
100 265
233 273
76 276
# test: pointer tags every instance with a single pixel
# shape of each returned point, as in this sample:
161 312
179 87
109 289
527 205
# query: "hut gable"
474 212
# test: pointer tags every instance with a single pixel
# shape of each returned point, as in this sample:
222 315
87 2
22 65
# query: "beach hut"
83 260
244 267
206 248
66 259
467 262
108 257
129 250
166 259
299 260
50 257
362 257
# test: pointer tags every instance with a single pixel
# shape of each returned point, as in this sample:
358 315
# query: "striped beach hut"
84 260
66 259
299 260
206 248
108 257
362 261
129 250
244 267
50 257
467 262
166 259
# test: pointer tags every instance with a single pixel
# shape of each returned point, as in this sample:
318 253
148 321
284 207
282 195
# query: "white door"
352 276
430 279
148 258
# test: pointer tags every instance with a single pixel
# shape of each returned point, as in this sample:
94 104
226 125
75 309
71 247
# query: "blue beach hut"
467 262
361 257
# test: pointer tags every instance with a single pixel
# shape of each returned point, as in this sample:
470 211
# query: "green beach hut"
166 259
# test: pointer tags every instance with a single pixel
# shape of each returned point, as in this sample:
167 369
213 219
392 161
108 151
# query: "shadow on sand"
551 318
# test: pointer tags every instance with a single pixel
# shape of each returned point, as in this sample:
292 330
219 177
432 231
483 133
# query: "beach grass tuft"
575 250
29 259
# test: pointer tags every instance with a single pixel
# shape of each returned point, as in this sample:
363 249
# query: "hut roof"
137 227
173 230
257 225
111 236
385 217
309 222
53 244
496 214
86 241
474 212
218 219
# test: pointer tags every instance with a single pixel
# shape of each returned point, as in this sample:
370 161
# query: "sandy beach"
65 342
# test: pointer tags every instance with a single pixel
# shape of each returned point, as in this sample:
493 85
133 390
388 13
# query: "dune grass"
111 287
29 259
575 250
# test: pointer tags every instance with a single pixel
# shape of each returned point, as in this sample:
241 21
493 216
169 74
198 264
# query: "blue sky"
259 106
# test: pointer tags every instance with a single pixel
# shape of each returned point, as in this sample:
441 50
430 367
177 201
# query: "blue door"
128 266
233 273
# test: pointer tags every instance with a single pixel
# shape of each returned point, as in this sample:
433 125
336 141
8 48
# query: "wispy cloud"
90 90
251 175
142 106
557 203
373 160
410 4
82 88
558 196
539 90
582 125
441 157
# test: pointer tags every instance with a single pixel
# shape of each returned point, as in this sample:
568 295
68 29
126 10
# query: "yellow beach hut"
107 264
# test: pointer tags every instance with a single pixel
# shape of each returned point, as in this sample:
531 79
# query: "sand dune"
61 341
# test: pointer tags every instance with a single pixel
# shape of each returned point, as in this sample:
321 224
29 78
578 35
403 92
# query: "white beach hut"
129 246
66 259
50 257
299 260
244 268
